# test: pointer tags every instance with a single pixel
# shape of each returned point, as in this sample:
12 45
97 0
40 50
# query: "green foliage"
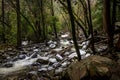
30 28
97 15
59 26
51 20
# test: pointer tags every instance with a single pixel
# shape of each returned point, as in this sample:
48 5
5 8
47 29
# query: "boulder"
90 68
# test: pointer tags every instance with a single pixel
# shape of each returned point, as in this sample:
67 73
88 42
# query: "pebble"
44 66
22 56
52 46
56 65
66 53
36 50
42 70
57 71
50 68
59 57
65 64
72 55
52 60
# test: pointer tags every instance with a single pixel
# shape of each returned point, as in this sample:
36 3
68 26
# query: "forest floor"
41 62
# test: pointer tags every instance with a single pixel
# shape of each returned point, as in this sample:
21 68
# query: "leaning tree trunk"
91 28
73 28
19 40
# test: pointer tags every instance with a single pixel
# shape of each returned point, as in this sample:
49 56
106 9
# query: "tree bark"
3 26
19 40
77 22
91 28
53 22
43 21
118 44
73 29
107 23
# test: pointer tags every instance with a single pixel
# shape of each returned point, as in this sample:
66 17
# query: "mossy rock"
91 68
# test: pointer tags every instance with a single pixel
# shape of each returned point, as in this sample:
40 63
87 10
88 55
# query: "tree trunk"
3 26
73 29
91 28
85 8
43 19
37 26
114 13
19 40
118 44
53 22
77 22
107 23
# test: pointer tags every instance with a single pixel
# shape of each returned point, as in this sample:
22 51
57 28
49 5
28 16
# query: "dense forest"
59 39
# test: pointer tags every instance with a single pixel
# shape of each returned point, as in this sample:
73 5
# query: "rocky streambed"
40 62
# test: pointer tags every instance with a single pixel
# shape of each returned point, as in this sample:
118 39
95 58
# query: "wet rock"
50 68
59 57
36 50
65 64
43 60
36 64
52 46
32 75
9 49
19 57
85 45
71 41
64 43
34 55
24 43
45 49
22 56
4 56
85 56
101 48
8 58
57 49
65 35
12 53
82 52
24 52
42 70
58 71
7 65
66 53
52 60
29 48
73 49
72 55
57 64
49 42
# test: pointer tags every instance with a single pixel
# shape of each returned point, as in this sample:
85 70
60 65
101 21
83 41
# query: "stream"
40 61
